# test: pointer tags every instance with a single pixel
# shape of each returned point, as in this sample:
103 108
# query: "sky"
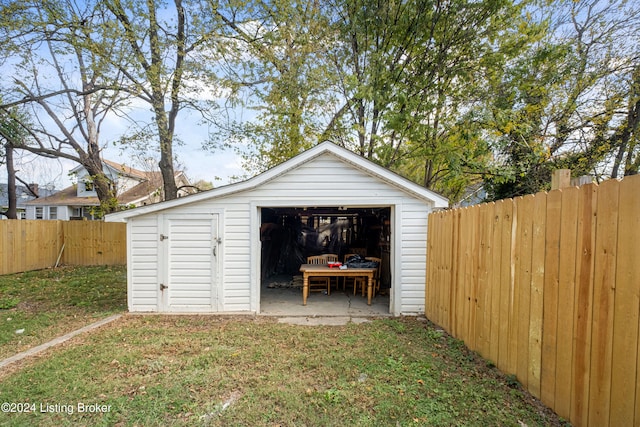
218 168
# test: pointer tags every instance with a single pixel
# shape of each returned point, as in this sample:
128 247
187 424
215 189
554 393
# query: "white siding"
63 213
413 236
143 263
323 181
30 212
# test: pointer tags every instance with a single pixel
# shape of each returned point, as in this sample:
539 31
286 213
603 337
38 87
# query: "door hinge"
163 237
216 241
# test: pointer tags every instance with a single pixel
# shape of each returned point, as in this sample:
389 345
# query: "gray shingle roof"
22 195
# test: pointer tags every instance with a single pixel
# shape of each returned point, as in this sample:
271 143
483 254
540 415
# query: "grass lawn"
41 305
246 371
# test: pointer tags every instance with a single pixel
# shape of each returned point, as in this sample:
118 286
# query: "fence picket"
522 287
582 317
550 299
514 261
627 308
566 300
460 288
507 214
494 277
453 283
603 300
434 266
472 275
483 305
537 294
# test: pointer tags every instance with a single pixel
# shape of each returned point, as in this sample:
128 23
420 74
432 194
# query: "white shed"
212 251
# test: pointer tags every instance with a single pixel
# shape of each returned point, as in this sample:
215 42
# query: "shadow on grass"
37 306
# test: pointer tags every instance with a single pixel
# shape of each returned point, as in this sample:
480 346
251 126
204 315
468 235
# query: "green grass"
44 304
240 371
236 371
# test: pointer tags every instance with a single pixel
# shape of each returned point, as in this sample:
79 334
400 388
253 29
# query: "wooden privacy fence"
31 245
547 287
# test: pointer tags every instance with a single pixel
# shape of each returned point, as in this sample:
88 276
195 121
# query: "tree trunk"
12 211
167 171
93 163
166 155
101 184
165 122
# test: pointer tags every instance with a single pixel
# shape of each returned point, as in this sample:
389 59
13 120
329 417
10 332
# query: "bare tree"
11 134
104 55
68 87
173 53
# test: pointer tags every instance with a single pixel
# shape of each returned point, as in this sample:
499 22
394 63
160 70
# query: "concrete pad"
288 302
321 320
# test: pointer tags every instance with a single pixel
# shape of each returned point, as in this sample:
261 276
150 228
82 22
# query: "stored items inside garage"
290 235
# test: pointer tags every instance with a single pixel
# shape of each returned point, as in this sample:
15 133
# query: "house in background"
23 195
80 201
473 195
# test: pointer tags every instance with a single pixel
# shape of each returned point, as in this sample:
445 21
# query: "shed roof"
341 154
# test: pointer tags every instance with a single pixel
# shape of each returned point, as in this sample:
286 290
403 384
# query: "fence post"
560 178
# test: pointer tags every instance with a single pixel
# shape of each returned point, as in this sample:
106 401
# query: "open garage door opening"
290 235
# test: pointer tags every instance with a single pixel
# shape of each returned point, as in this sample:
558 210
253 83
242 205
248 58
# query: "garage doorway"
289 235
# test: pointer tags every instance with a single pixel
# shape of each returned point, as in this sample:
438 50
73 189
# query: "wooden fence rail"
31 245
547 287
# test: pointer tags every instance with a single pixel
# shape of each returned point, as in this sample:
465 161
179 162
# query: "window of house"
77 212
53 212
39 212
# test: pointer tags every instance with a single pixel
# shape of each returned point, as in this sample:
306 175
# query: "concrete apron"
322 321
288 303
339 308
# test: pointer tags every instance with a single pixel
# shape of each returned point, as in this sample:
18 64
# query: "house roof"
119 168
23 195
340 153
69 197
150 183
